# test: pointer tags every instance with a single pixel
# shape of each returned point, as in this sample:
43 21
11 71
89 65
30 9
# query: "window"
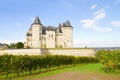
51 35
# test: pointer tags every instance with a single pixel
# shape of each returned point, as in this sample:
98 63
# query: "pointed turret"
59 30
68 23
59 25
64 25
37 20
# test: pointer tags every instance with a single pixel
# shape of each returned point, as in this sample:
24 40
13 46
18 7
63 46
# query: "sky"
96 23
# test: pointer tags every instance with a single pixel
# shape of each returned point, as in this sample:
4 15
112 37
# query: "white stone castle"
40 36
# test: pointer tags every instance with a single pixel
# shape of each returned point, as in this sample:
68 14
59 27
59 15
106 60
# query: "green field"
83 68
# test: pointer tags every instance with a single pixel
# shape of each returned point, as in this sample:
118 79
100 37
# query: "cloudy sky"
96 23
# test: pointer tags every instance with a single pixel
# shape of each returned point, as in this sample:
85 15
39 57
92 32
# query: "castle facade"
40 36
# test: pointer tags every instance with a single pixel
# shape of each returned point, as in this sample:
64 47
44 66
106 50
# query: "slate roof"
50 28
1 45
59 28
37 20
28 34
66 24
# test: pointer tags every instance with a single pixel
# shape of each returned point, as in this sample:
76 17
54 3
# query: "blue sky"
96 23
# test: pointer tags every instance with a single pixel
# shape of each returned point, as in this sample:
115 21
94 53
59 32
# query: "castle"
40 36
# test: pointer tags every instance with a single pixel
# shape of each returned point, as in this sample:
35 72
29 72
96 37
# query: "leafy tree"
19 45
12 45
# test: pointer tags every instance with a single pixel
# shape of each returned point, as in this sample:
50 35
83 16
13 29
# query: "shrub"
109 59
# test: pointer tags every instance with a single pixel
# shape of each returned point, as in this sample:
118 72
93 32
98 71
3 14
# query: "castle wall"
21 51
67 51
73 52
59 40
43 41
50 39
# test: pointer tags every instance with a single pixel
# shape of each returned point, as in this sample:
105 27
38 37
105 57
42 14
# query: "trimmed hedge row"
18 63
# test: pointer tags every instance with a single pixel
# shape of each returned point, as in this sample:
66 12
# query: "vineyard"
110 60
19 64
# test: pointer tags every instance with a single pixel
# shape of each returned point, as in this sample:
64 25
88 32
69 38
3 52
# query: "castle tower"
59 37
39 36
67 35
36 30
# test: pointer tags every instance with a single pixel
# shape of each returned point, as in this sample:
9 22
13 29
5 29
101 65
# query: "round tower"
67 34
36 33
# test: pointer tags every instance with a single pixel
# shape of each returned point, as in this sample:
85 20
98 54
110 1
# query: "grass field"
82 68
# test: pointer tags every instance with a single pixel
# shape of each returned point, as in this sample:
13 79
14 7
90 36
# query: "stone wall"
21 51
73 51
70 51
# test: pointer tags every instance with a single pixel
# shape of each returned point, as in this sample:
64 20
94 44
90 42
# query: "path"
80 76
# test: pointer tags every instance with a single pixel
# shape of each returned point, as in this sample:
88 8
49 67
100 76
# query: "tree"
19 45
12 45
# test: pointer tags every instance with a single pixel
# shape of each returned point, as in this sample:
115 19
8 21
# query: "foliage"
19 45
12 45
23 63
109 59
82 68
16 45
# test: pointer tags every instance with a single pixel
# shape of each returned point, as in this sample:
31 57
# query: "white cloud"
99 11
93 6
99 16
88 23
116 23
94 22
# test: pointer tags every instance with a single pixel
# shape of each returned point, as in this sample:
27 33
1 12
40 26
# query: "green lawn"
84 68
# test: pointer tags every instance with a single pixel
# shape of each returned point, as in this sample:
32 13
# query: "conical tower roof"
67 23
37 20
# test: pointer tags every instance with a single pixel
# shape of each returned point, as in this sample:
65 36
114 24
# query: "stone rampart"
65 51
73 51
